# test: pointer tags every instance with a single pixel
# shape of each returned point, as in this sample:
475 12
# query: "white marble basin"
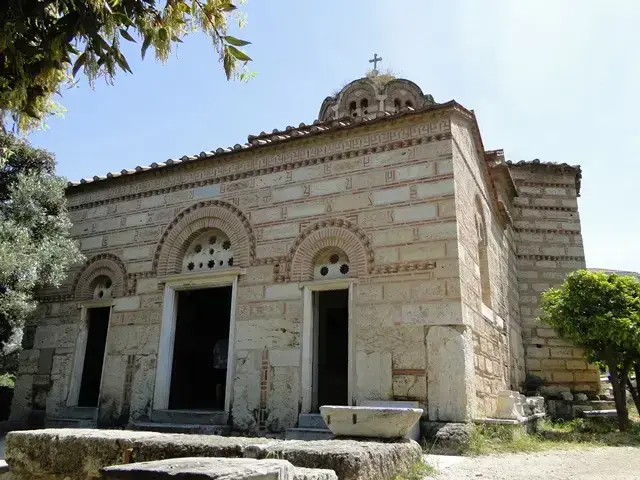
372 422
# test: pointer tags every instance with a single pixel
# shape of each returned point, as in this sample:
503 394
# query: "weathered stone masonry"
447 250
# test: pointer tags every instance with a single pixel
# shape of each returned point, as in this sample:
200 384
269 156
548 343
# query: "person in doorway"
220 356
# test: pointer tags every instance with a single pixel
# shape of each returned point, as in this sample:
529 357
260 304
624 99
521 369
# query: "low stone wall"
81 454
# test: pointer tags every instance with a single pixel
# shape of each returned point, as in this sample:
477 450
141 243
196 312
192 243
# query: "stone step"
308 434
311 420
81 413
190 417
180 428
599 413
69 423
602 404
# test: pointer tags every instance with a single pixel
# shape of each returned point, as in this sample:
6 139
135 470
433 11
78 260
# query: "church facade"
378 254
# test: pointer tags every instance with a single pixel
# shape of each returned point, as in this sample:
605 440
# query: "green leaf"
228 7
239 54
145 44
236 41
126 35
79 63
228 63
124 65
163 34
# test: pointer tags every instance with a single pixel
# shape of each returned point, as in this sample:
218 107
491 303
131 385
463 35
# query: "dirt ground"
601 463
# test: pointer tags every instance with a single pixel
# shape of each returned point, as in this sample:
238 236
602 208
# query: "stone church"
380 253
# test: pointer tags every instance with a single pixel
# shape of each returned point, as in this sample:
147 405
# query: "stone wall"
391 187
549 246
492 317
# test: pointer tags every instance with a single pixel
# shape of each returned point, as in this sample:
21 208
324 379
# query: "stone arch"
103 265
403 93
191 222
339 234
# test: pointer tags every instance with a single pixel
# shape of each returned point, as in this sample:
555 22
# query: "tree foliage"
600 312
44 42
35 244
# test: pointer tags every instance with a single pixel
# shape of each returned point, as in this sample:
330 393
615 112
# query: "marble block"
372 422
414 433
509 405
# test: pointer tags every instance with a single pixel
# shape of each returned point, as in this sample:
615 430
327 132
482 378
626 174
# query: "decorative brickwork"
191 222
336 233
105 265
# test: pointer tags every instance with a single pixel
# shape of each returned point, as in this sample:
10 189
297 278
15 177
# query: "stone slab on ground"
350 459
215 469
81 454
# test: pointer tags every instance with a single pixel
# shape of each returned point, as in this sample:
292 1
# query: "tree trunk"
619 392
635 392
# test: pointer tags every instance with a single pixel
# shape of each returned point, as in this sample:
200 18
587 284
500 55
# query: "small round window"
331 263
102 288
210 251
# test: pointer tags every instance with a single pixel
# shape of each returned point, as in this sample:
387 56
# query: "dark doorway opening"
200 349
97 324
331 352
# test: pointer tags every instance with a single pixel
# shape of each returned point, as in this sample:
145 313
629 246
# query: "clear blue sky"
551 79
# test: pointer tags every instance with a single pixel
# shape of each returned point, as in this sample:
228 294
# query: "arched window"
397 104
483 253
101 287
364 106
331 263
353 109
408 103
211 250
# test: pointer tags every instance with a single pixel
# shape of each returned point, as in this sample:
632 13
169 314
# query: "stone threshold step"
180 428
308 434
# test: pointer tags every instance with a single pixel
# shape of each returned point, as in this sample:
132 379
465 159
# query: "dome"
370 95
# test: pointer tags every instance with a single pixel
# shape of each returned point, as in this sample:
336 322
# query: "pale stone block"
250 293
390 195
411 354
268 250
266 215
146 285
366 293
437 313
97 212
133 339
377 315
289 357
288 193
139 267
394 292
267 333
137 219
425 211
283 292
445 167
328 187
438 231
126 303
450 371
386 255
259 274
282 230
146 203
428 289
410 386
373 374
55 336
438 188
283 398
374 218
206 191
414 172
90 243
350 202
136 253
370 422
422 251
121 238
306 209
559 352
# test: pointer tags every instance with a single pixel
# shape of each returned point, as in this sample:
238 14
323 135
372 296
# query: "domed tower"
372 96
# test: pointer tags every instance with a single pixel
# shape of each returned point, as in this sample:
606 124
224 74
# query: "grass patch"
417 471
576 433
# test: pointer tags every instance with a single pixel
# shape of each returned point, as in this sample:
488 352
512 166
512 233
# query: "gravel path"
603 463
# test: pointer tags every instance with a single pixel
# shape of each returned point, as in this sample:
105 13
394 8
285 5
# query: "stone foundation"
81 454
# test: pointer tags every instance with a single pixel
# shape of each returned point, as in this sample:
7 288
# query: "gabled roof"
264 139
